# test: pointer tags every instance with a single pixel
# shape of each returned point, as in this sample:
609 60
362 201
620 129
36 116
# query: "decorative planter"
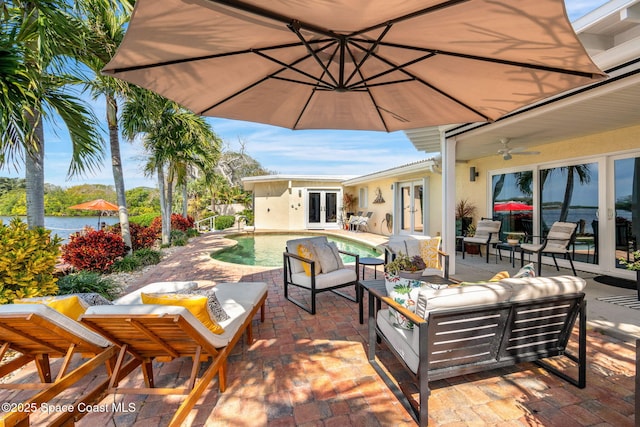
412 275
472 248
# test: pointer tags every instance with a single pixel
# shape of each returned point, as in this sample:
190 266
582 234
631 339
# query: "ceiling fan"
506 152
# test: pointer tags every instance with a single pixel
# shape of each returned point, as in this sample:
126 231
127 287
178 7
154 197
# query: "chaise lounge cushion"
69 305
156 287
57 319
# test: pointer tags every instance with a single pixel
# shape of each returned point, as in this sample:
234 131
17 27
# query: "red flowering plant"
94 250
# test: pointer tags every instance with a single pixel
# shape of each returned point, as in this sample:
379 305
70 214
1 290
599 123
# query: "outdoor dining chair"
487 234
557 242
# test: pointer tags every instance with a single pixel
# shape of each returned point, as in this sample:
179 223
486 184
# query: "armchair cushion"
292 247
429 252
307 250
328 256
325 280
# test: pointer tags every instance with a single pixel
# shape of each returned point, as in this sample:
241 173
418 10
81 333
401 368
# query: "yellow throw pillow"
429 252
306 251
69 305
500 276
196 304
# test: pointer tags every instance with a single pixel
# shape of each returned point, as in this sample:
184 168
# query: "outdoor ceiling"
611 36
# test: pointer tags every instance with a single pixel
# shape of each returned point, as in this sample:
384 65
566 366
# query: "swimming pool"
266 250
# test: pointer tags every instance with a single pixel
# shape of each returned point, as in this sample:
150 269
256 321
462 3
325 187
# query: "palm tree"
105 22
173 138
47 34
584 176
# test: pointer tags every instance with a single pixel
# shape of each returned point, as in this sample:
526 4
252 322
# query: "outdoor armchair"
428 248
557 242
487 234
314 264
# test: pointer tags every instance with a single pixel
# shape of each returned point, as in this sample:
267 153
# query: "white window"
362 198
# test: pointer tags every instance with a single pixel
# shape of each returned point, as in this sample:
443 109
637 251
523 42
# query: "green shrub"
147 256
126 264
178 238
248 213
28 258
88 282
144 219
192 232
225 221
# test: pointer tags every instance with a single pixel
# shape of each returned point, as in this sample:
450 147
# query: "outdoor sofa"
478 327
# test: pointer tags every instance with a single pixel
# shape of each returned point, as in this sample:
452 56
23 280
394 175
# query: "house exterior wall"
281 205
377 223
607 143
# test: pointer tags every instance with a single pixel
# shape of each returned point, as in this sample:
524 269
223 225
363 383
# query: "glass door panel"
322 209
314 208
411 208
331 207
627 208
570 194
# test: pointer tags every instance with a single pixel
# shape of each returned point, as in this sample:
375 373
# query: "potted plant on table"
513 238
406 267
471 248
634 265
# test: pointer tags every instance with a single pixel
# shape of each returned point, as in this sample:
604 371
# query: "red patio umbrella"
99 205
512 206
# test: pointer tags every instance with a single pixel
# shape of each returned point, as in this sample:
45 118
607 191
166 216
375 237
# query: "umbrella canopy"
99 205
353 64
512 206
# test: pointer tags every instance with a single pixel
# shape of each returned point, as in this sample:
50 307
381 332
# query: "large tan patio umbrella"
353 64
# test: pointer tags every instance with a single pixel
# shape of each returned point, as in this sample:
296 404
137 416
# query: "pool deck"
305 370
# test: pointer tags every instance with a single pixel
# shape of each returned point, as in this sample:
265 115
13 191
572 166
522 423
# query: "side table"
512 251
375 262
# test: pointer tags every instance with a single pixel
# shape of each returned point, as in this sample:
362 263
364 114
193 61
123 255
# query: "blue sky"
318 152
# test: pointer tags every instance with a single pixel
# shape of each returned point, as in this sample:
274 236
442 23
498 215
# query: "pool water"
266 249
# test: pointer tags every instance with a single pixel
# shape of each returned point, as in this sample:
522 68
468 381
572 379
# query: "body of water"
63 226
266 249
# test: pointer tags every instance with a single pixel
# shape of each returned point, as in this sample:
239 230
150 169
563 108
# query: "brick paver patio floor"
305 370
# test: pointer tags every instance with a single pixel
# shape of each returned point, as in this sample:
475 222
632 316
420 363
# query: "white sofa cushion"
539 287
399 338
430 299
154 288
326 280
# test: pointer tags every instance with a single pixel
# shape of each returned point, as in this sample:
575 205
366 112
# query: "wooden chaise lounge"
157 332
40 334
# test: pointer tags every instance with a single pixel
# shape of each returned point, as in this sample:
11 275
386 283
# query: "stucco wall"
591 146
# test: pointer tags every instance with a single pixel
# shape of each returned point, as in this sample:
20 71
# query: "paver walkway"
305 370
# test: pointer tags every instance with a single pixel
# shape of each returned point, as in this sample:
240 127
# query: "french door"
411 207
322 208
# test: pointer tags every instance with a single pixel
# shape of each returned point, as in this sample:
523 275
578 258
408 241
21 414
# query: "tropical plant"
224 221
631 265
105 22
27 261
94 250
465 209
403 262
88 282
172 137
46 35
